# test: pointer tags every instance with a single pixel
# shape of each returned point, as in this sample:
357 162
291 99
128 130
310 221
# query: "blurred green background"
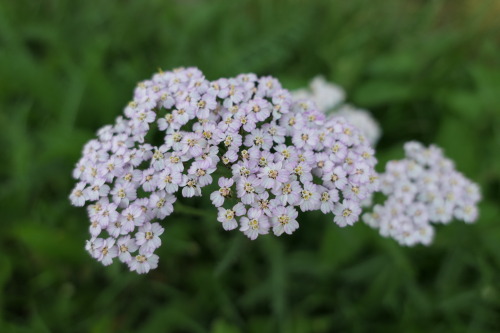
428 70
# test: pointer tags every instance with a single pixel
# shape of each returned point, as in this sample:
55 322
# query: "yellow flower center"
158 155
306 195
254 224
244 171
259 141
287 189
177 137
229 214
224 191
264 204
346 212
228 141
207 135
249 188
284 219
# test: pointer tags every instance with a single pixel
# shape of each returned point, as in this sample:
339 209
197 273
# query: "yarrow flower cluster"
421 189
281 155
330 98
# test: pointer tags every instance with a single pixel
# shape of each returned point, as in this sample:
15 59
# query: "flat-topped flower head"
283 155
422 189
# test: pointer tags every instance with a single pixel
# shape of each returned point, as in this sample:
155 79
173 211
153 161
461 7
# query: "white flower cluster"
330 99
281 156
421 189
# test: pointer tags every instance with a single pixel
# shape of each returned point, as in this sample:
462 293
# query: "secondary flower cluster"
281 156
421 189
330 98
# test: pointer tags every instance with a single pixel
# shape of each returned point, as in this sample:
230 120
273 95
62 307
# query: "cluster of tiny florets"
421 189
330 99
279 155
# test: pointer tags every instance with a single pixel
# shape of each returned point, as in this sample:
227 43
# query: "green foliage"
428 70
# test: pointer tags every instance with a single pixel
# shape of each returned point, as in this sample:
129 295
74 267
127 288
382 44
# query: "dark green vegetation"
429 70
